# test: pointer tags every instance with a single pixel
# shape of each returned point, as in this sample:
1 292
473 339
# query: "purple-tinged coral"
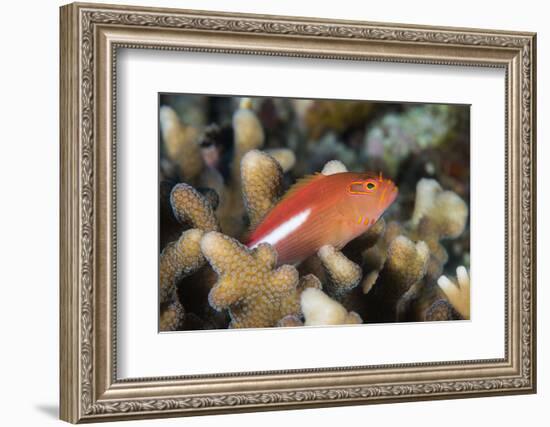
256 293
397 136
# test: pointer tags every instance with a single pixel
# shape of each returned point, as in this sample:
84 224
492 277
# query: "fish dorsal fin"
300 184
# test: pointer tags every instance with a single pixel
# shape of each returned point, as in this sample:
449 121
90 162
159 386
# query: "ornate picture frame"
90 37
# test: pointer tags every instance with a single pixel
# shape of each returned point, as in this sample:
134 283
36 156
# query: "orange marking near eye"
350 188
367 220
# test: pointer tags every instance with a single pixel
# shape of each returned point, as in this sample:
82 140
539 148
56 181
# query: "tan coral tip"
262 184
343 273
190 206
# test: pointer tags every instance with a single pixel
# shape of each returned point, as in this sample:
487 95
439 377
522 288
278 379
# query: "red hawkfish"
323 210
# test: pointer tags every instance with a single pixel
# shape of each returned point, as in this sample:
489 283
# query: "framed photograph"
267 212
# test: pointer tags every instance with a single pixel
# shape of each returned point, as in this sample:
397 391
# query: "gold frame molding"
90 37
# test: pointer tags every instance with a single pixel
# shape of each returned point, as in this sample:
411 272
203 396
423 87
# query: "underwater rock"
191 207
256 293
319 309
262 184
458 293
181 144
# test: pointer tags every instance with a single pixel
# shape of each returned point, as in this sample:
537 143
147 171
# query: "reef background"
217 175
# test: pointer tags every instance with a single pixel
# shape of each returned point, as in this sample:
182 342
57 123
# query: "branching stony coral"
405 265
256 294
458 293
438 215
343 274
181 144
284 156
320 309
191 207
262 184
177 260
183 257
248 133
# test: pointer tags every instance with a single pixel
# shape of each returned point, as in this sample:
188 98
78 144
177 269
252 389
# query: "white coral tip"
334 166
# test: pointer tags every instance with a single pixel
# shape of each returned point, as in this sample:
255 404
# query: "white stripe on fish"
285 229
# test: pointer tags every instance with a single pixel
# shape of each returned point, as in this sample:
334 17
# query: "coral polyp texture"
225 170
256 293
262 184
177 260
191 207
343 274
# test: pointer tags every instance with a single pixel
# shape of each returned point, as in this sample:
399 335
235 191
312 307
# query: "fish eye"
370 186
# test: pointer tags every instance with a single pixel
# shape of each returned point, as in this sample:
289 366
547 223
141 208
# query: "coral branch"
437 215
248 131
262 183
177 260
320 309
343 273
284 156
458 293
256 294
405 265
191 207
181 144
